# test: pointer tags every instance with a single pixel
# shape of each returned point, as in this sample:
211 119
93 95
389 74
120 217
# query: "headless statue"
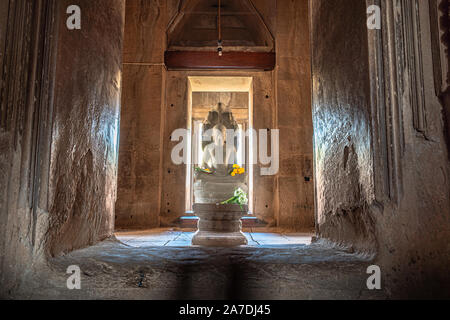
218 156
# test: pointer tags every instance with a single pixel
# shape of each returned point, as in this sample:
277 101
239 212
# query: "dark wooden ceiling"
195 27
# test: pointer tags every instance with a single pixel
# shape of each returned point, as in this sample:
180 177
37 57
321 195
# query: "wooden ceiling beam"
199 60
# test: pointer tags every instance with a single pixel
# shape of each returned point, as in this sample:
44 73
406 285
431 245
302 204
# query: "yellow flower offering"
237 170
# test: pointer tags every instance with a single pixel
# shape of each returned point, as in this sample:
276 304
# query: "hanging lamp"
219 27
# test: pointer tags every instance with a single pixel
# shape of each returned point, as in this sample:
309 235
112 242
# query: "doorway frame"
217 84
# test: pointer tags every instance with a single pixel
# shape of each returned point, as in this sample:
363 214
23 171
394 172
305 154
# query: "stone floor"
163 265
180 238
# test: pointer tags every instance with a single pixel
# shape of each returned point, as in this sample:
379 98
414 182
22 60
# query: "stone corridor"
97 136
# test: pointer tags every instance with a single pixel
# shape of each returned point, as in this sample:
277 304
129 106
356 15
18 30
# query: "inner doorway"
236 95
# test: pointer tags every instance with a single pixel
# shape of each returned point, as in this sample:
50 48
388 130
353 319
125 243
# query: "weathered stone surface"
407 223
341 106
86 127
230 99
145 31
138 200
142 123
58 133
295 182
112 270
219 225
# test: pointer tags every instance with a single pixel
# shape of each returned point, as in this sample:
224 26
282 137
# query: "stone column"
220 225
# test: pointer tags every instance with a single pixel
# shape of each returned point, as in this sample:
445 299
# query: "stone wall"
382 178
233 100
295 182
151 188
342 122
140 157
16 217
86 126
414 229
59 120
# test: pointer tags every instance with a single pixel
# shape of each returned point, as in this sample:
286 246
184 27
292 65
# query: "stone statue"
219 224
219 156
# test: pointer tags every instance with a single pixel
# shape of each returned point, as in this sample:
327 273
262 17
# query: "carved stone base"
219 225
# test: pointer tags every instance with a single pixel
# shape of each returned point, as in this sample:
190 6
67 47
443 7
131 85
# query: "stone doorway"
235 94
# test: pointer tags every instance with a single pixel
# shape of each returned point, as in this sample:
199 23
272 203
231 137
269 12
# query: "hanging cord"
219 23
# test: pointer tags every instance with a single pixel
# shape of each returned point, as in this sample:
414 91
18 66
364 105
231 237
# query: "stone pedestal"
219 225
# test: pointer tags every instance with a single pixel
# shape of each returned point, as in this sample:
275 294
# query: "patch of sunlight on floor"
180 238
